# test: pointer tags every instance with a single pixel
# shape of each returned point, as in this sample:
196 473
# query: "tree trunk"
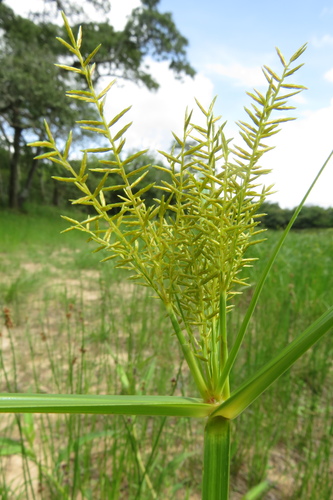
24 193
55 197
2 194
14 170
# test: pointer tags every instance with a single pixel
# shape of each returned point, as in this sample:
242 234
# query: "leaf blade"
100 404
259 382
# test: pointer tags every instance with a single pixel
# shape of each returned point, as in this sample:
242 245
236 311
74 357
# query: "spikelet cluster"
190 246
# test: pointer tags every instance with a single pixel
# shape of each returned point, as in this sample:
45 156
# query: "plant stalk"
191 360
224 340
216 459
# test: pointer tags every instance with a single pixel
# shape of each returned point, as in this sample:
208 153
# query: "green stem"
224 340
215 357
191 360
216 459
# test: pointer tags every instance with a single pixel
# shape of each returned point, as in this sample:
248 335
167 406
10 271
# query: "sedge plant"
189 248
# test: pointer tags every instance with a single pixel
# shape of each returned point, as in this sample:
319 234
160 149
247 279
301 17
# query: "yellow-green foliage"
189 247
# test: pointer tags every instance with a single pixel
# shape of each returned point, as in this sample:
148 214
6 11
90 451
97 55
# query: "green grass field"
73 325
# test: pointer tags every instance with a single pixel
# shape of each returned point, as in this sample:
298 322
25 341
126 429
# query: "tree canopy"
30 88
311 217
148 32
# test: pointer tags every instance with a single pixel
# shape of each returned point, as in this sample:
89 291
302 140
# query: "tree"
31 89
275 216
311 217
147 32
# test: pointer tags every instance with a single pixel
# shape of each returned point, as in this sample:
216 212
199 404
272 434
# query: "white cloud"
302 147
22 7
326 11
242 75
299 99
322 41
156 114
329 75
120 9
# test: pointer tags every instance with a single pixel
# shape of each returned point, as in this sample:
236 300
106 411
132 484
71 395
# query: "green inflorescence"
190 246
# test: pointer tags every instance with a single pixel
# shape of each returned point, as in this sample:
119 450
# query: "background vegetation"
72 325
311 217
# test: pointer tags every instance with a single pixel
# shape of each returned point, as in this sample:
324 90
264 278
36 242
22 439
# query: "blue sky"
246 32
228 44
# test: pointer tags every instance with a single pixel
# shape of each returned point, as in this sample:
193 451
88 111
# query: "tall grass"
77 330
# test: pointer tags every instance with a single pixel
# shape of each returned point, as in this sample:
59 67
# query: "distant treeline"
311 217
